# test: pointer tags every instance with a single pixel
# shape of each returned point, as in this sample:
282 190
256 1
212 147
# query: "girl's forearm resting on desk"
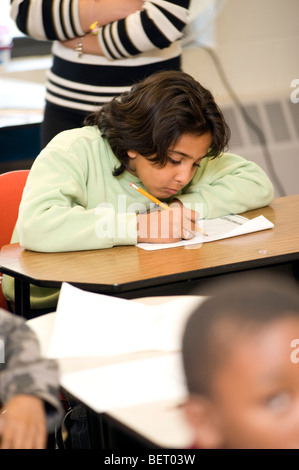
229 184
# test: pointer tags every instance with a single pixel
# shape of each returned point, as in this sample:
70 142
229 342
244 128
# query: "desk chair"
11 189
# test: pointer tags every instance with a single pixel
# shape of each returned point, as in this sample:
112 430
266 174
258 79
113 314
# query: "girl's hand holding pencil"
167 226
170 225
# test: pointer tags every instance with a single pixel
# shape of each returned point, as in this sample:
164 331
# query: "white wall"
257 42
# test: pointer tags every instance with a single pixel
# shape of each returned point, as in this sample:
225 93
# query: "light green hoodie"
73 202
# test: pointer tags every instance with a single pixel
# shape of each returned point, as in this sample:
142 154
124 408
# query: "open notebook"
217 229
90 324
115 353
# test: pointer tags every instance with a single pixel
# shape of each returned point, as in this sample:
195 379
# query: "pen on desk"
157 201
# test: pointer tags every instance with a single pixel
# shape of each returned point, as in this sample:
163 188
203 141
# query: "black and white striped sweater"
135 47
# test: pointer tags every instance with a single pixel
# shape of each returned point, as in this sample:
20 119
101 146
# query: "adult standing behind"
133 40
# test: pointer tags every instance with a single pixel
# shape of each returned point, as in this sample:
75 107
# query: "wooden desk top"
124 268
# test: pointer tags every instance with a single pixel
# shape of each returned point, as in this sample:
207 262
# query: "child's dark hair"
246 305
155 113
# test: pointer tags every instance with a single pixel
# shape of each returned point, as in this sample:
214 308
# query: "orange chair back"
11 189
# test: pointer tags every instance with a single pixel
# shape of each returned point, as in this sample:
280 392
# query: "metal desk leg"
22 297
98 431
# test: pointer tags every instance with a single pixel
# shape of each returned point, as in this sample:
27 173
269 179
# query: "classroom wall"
257 44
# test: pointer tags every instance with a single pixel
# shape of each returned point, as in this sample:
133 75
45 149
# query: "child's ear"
202 417
132 153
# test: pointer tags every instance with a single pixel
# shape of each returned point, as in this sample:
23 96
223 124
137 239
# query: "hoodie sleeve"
229 184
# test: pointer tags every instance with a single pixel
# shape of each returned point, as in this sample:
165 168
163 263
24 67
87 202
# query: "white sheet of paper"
89 324
128 383
217 229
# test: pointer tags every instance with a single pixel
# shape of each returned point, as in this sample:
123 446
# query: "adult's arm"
67 19
156 26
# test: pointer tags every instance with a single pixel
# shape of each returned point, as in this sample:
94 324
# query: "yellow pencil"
149 196
157 201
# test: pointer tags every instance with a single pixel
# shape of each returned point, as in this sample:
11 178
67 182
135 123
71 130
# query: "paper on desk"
140 381
217 229
89 324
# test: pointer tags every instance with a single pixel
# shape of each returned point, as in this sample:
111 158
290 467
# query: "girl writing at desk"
167 136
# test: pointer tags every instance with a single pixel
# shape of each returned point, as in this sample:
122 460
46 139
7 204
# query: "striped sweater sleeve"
47 19
157 25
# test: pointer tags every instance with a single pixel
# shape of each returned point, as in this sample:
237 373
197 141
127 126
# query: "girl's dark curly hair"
155 113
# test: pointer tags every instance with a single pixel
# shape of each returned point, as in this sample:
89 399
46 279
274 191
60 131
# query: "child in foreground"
30 408
167 136
241 360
